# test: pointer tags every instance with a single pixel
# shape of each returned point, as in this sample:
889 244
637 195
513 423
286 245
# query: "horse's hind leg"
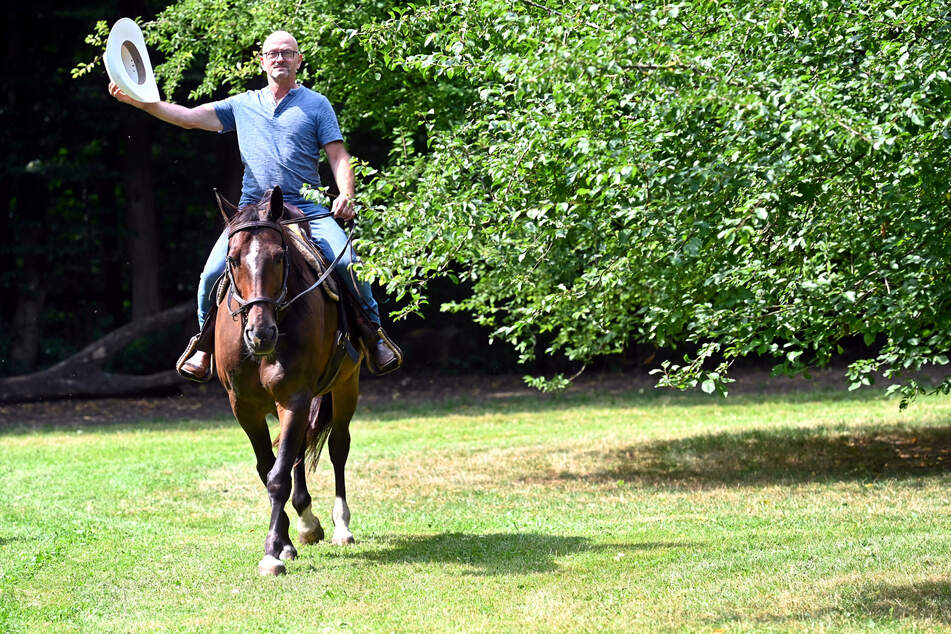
309 530
344 404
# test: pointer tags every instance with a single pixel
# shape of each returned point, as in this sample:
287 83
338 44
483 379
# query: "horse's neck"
300 273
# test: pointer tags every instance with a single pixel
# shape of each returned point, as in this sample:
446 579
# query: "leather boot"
383 356
198 366
197 363
381 359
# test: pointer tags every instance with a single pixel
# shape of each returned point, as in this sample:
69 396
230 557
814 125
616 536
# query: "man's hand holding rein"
343 207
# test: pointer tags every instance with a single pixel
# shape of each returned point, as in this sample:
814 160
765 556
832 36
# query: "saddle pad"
318 263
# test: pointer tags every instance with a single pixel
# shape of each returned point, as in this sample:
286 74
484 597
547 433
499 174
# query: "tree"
48 165
69 268
137 171
749 178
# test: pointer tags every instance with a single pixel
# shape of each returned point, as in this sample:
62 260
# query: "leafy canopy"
747 177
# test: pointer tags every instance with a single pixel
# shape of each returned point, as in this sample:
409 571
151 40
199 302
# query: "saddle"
301 239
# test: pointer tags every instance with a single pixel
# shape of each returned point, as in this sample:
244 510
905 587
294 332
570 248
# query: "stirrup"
395 349
190 349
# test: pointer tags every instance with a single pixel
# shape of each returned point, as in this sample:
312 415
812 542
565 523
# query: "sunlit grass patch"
606 513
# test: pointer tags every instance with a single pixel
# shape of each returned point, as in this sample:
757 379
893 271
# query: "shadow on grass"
929 599
492 554
557 401
123 414
926 600
780 456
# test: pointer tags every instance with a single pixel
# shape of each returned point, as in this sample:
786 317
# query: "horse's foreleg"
254 424
309 530
277 545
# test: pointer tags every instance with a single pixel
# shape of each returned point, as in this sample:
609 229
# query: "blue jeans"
329 238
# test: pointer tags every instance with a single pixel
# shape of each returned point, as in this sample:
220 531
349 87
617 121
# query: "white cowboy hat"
127 62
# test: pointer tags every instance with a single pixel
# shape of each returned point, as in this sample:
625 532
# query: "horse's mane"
251 211
299 267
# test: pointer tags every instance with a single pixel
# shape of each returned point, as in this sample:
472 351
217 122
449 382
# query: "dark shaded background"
109 213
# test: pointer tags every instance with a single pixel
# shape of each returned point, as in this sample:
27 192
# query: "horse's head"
257 268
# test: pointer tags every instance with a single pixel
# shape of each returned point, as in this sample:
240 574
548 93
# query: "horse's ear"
227 209
276 209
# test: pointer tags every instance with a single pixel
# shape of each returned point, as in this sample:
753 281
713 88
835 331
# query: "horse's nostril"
263 335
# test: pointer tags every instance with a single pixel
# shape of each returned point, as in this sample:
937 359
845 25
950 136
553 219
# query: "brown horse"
276 355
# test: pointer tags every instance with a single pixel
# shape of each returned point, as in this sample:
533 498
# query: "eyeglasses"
286 54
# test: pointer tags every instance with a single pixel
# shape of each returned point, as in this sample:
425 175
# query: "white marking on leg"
309 530
341 518
271 566
288 553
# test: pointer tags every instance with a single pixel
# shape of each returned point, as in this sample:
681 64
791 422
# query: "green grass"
809 512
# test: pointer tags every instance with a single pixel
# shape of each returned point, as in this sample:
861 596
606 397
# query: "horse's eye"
233 263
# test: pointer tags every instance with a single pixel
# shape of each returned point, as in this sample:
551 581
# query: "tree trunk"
25 336
143 230
16 188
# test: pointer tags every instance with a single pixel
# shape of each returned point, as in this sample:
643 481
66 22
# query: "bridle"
279 303
244 305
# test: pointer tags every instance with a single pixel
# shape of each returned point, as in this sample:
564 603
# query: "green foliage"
752 178
749 178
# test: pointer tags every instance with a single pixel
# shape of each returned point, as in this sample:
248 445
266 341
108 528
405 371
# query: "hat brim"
127 62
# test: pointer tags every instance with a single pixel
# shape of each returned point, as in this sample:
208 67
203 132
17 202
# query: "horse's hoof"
288 553
309 530
271 566
342 539
311 537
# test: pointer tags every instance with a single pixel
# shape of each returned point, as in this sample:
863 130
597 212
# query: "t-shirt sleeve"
328 130
225 111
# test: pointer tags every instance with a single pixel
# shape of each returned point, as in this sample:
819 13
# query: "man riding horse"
281 130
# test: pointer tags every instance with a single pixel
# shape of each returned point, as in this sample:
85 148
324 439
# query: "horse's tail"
318 427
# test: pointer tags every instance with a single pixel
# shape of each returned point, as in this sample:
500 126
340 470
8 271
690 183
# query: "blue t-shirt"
279 146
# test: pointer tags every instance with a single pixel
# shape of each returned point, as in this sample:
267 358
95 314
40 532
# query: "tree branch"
82 374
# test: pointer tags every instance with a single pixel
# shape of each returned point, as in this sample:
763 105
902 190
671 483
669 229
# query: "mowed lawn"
639 512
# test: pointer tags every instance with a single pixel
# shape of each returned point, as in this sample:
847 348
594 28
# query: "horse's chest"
271 374
250 379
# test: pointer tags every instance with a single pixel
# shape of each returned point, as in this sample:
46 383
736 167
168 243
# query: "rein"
279 303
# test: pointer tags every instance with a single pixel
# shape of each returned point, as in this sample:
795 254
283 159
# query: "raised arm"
202 117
